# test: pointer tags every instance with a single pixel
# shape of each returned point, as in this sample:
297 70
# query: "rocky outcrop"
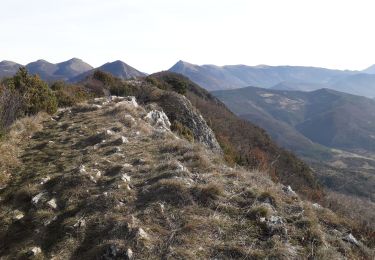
178 108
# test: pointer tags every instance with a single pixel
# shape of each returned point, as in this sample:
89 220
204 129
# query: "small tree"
35 93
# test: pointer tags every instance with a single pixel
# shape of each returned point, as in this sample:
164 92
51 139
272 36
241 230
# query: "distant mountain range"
299 78
72 70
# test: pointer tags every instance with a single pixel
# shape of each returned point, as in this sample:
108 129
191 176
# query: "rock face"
179 108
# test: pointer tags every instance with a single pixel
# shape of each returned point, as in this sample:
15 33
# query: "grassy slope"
199 211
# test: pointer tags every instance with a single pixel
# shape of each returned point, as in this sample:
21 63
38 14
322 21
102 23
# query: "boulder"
158 119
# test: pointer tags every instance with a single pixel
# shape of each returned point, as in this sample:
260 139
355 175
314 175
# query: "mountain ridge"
303 78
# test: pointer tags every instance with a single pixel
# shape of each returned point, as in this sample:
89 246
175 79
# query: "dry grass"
11 145
189 204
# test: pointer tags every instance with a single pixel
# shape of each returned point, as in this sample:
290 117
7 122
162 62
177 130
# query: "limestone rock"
35 200
289 191
158 119
351 239
52 203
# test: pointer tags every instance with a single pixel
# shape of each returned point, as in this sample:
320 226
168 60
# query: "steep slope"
327 117
108 180
117 69
311 124
8 68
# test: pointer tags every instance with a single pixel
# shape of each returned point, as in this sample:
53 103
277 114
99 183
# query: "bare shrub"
11 145
10 107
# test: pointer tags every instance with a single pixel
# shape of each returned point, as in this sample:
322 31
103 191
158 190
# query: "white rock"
17 215
35 200
98 173
35 250
52 203
109 132
316 206
158 119
92 178
276 220
133 101
351 239
44 180
127 165
82 169
124 140
262 220
180 167
80 223
288 190
97 106
141 234
129 253
125 178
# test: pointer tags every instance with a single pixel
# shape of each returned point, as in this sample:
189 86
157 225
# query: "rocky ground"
109 180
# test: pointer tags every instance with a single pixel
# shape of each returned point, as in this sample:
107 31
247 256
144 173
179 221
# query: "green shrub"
120 89
69 95
104 77
35 93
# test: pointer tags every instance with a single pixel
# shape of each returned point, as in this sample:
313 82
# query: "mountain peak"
181 65
370 70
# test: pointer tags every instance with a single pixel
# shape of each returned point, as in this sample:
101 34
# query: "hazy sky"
152 35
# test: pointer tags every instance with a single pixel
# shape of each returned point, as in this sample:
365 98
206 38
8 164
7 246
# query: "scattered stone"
127 165
82 169
141 234
52 203
34 251
316 206
351 239
276 220
109 132
35 200
158 119
125 178
124 140
80 223
98 173
117 149
92 178
97 106
289 191
129 253
17 215
181 168
45 180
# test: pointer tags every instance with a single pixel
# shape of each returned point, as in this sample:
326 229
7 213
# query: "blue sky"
152 35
